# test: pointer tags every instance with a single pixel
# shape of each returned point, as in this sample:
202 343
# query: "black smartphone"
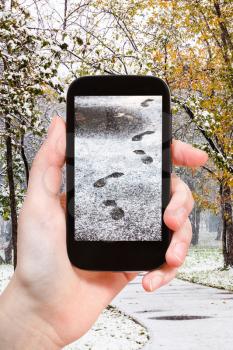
118 167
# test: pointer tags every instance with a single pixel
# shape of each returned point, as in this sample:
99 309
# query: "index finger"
187 155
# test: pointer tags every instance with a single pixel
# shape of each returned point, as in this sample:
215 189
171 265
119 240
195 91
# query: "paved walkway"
212 309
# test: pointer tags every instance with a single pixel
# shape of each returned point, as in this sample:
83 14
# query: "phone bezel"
117 255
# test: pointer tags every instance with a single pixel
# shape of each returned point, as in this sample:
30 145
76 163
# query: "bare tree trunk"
195 220
219 232
10 175
65 14
227 236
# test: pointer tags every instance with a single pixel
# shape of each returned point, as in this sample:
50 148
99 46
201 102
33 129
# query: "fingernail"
51 126
179 251
155 282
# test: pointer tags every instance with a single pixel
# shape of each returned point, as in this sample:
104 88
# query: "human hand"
49 303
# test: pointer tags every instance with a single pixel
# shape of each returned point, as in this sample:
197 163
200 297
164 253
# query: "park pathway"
181 315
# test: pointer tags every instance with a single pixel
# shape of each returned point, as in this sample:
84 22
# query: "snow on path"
179 299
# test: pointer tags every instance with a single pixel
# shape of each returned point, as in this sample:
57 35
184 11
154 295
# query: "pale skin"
49 303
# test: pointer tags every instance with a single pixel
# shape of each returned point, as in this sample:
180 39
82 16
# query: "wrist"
21 327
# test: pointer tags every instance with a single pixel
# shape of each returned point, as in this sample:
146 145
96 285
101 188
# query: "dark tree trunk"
10 175
219 232
65 15
26 166
195 220
192 220
227 236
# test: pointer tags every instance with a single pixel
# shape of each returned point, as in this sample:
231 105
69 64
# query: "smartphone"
118 167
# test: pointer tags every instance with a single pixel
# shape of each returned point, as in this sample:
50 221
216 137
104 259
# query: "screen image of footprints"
116 212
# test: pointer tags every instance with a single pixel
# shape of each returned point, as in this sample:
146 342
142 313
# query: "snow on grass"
113 330
205 266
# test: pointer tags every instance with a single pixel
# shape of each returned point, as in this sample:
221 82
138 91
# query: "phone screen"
118 168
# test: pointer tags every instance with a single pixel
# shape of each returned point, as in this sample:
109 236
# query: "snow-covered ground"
113 330
205 266
118 150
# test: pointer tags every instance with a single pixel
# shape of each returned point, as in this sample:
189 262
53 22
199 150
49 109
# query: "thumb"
46 171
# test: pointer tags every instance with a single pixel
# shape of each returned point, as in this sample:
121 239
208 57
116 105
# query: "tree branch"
208 139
